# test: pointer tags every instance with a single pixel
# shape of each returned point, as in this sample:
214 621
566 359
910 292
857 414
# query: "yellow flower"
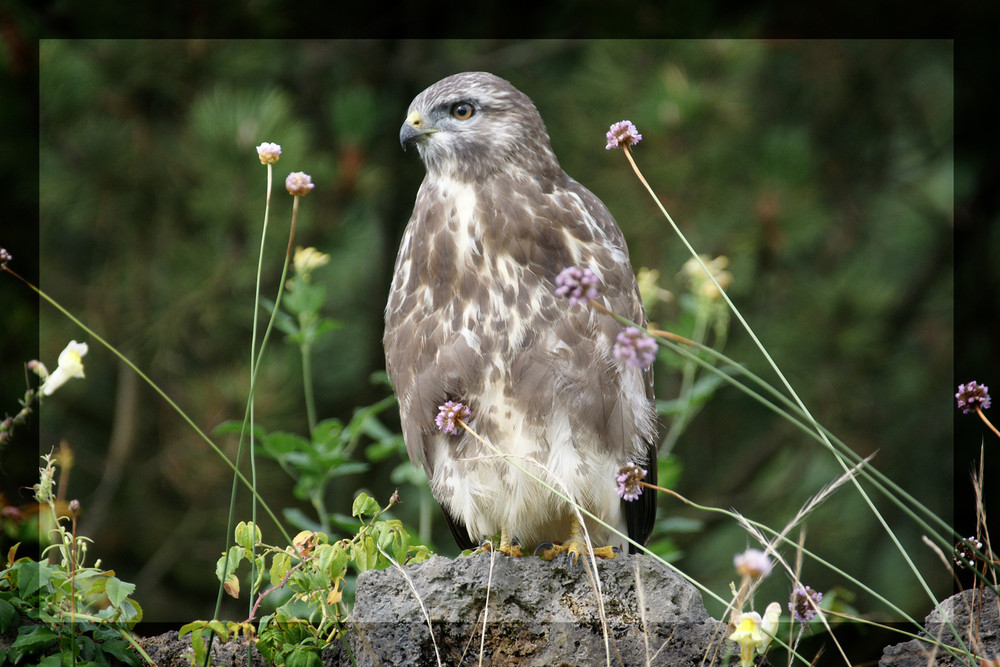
650 291
70 366
700 283
307 260
754 634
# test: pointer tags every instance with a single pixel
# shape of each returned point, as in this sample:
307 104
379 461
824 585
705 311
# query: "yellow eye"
462 110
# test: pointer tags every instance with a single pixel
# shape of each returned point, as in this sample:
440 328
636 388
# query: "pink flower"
621 134
449 414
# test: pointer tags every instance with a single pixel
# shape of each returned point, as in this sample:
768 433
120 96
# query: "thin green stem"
253 373
784 381
307 386
155 387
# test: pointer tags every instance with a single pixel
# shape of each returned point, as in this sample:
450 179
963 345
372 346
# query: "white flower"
752 563
769 625
70 366
268 152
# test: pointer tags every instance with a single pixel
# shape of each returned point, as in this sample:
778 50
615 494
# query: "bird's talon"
514 550
544 550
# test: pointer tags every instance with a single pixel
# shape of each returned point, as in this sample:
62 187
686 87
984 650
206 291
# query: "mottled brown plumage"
472 317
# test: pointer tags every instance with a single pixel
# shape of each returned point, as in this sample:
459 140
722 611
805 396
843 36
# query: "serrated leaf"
117 590
120 651
31 576
31 639
302 658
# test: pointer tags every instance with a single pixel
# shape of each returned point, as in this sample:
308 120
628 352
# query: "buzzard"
473 317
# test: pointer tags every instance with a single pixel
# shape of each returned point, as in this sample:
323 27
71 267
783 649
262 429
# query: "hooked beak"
414 129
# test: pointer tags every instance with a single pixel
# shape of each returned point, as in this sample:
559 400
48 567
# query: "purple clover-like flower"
628 479
577 284
449 414
804 603
299 183
5 257
622 134
635 348
972 397
268 152
752 563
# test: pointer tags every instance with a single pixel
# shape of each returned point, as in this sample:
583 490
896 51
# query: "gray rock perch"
539 613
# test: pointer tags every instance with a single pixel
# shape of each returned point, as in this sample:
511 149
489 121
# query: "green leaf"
118 590
280 565
328 429
279 444
305 298
365 553
349 468
31 576
364 505
119 649
197 641
31 639
190 627
247 535
219 628
303 658
332 560
383 449
8 616
235 556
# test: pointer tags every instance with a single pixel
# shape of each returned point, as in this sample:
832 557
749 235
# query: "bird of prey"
473 318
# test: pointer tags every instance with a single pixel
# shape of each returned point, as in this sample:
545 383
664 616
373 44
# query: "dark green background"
825 170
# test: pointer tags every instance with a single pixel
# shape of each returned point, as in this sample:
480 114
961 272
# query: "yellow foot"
575 548
508 547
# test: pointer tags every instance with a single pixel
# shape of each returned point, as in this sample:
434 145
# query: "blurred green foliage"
821 169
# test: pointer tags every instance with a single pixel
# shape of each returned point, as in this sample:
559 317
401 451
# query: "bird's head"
471 125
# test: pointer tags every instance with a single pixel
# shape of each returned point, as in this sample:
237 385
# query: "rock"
168 650
538 613
984 641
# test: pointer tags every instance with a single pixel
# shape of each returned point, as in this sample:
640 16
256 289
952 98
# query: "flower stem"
993 428
808 416
307 386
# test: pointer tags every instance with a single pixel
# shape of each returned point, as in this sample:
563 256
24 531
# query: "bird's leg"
508 546
575 546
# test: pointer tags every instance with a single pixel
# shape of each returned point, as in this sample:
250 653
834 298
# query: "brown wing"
640 514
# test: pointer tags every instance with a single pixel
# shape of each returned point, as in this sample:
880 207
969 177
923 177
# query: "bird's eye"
462 110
